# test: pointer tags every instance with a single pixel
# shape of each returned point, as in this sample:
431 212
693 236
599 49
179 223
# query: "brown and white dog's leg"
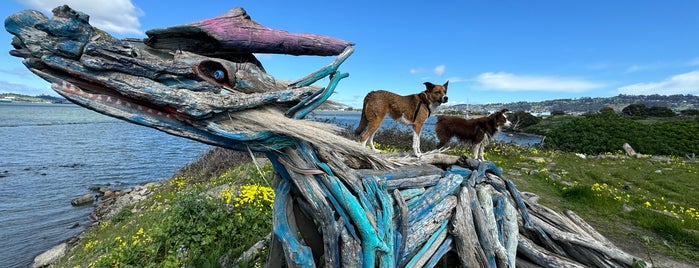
371 142
417 128
475 149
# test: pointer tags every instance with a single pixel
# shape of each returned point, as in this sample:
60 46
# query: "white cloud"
686 83
439 70
113 16
511 82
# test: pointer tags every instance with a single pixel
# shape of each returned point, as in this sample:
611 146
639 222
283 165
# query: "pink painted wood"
236 31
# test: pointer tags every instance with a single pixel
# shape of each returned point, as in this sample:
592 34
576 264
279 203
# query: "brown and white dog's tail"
363 122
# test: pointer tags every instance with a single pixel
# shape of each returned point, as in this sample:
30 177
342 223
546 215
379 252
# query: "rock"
108 194
629 150
83 200
658 158
50 256
581 155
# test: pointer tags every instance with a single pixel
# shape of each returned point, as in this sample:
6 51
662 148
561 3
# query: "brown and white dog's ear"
429 86
446 84
504 110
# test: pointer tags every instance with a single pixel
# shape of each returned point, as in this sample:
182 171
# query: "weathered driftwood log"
336 204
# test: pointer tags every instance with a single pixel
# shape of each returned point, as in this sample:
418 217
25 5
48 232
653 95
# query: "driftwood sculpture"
336 204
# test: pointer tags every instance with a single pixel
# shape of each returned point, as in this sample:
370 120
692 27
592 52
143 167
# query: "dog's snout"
445 99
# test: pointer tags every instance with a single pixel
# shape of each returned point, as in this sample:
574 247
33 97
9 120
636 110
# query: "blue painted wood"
408 194
295 252
369 237
433 239
498 211
419 232
324 71
478 176
420 207
441 251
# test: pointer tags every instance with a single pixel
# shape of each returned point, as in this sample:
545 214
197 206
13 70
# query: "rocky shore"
109 202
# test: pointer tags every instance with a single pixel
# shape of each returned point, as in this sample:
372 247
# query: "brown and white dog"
476 132
412 110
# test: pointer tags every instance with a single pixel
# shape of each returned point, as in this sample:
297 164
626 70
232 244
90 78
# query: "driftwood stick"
296 254
388 259
511 231
481 228
420 231
553 218
235 31
579 240
350 250
543 257
369 237
485 197
478 176
402 172
329 69
447 186
585 226
315 196
441 251
467 247
307 105
403 223
430 247
408 194
414 182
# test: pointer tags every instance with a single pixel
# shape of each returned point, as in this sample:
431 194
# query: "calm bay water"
52 153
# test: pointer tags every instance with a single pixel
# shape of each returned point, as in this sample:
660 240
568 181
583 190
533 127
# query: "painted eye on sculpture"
215 72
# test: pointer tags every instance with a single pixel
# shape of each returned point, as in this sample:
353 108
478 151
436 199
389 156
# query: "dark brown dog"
476 132
410 110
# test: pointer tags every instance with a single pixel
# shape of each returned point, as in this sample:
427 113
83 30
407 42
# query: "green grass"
186 222
630 200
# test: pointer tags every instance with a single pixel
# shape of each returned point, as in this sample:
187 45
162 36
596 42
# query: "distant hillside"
583 105
14 97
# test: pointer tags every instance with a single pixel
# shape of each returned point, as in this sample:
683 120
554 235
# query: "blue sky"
490 51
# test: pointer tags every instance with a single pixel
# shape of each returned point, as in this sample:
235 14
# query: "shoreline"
108 202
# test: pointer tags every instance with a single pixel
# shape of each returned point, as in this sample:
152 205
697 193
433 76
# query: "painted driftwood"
336 204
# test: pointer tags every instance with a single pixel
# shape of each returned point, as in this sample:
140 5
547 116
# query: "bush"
601 133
